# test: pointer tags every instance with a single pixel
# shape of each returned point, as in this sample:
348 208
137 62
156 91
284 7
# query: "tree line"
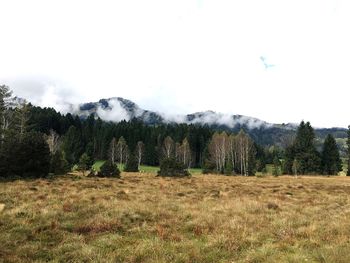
35 141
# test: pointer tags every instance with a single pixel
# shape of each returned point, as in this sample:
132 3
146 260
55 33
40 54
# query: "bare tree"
218 149
168 147
186 153
122 150
140 148
5 98
244 146
54 142
22 118
113 150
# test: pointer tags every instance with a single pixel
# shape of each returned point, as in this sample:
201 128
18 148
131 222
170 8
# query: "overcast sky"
183 56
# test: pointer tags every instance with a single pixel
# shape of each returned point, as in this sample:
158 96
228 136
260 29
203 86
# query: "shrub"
108 169
170 167
132 164
209 167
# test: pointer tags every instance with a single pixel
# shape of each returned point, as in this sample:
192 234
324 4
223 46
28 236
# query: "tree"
58 164
295 167
140 148
304 151
84 162
122 151
5 96
131 164
109 169
276 166
331 162
29 157
168 147
72 145
22 115
53 140
348 152
172 168
113 150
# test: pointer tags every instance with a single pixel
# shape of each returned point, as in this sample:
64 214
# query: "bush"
108 169
59 164
132 164
170 167
209 167
28 156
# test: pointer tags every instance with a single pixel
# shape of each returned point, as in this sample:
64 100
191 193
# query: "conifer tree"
331 162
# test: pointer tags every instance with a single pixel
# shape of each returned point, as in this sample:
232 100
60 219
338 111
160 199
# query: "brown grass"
206 218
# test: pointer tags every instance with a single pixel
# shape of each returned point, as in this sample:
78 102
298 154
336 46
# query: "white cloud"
186 55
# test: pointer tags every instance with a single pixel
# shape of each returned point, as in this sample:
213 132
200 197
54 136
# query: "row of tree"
35 141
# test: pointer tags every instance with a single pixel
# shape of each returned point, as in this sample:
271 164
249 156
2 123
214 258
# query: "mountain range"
117 109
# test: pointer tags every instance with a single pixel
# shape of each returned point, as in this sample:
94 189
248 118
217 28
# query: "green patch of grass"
97 165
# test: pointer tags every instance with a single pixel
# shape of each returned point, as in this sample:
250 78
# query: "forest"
39 141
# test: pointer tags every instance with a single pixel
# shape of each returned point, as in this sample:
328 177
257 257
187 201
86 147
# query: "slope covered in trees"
35 141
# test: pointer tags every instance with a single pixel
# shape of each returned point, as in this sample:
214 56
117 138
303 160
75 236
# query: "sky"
277 60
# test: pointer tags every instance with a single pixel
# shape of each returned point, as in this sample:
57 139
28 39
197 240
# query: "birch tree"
113 150
140 148
54 142
122 151
168 147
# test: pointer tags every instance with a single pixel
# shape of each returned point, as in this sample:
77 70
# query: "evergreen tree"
84 163
331 162
58 164
131 164
72 145
304 151
109 169
28 157
172 168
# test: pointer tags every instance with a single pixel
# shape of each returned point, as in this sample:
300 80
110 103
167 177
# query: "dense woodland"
37 141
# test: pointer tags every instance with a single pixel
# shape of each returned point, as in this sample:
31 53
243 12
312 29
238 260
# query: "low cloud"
115 112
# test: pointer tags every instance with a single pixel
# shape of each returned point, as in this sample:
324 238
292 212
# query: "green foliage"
72 145
108 169
28 157
304 151
59 164
276 166
170 167
131 164
209 167
331 162
84 163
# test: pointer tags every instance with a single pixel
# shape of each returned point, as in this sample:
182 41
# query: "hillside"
117 109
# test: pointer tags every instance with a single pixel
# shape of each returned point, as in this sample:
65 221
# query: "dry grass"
142 218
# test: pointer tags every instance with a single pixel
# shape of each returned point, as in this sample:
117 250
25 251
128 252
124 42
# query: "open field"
143 218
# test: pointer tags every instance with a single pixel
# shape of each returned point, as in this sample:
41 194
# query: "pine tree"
84 162
304 151
132 164
58 164
331 162
72 145
108 169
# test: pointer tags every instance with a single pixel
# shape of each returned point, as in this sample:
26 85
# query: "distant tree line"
35 141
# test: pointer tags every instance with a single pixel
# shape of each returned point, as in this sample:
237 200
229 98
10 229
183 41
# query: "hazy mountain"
118 109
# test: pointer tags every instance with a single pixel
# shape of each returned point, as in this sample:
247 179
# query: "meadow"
204 218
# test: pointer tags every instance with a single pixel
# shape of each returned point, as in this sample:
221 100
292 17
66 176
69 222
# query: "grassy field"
205 218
